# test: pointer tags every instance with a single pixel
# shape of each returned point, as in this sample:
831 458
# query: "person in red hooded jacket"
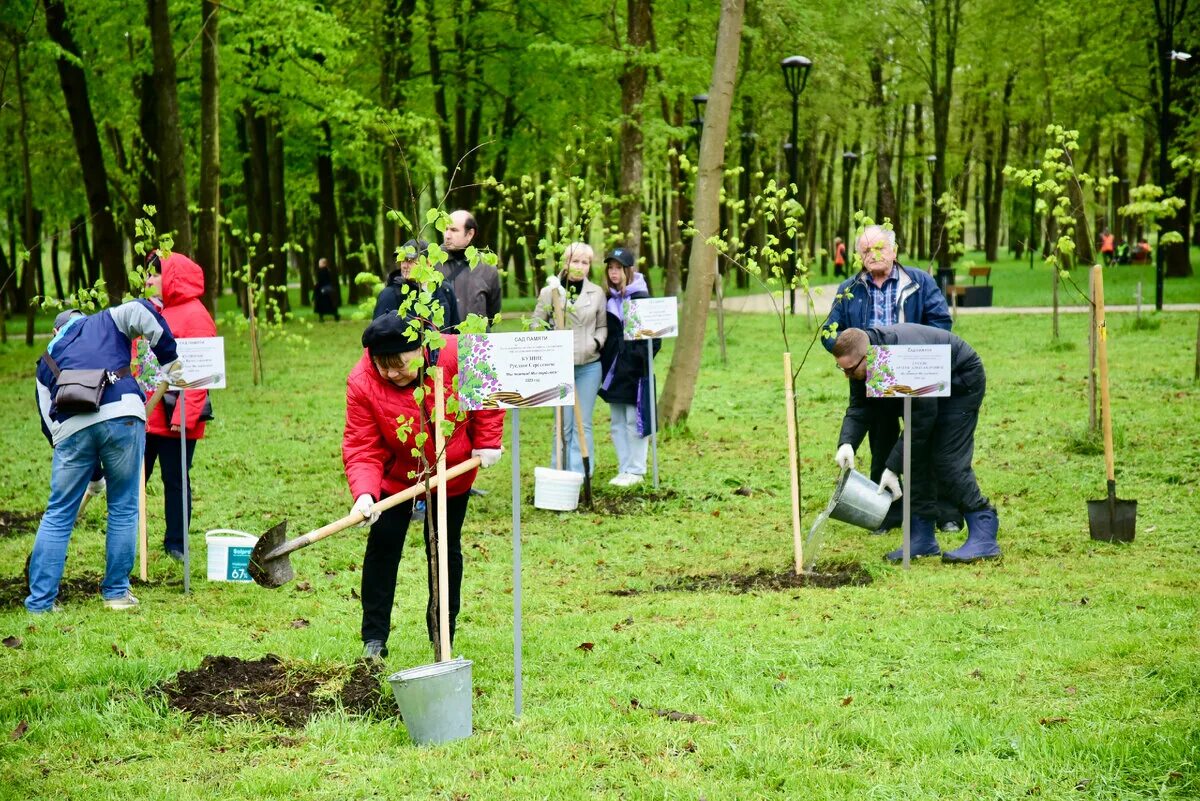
181 285
383 419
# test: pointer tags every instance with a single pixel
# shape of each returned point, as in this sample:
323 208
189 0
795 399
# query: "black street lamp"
795 78
697 123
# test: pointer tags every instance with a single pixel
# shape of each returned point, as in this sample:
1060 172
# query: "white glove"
488 456
845 456
891 482
96 487
365 506
175 371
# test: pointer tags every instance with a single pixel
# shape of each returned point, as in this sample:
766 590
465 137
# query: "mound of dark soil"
13 523
272 690
13 590
826 575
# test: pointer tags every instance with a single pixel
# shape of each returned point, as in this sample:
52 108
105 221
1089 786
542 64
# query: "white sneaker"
126 601
620 480
631 479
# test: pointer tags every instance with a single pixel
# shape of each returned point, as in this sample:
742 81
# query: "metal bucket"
435 701
858 502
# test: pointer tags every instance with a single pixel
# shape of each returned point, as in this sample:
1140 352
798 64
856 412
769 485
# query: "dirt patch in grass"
14 523
634 501
827 575
72 588
275 691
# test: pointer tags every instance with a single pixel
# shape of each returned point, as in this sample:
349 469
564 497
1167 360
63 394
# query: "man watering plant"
95 412
884 292
942 439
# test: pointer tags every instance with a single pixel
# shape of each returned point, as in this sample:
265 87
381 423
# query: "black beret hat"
393 333
412 249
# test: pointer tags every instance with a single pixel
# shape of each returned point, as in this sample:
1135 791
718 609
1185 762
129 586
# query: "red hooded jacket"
377 461
182 288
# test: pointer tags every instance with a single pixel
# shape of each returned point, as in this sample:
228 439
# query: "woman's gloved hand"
365 506
845 456
488 456
97 487
891 482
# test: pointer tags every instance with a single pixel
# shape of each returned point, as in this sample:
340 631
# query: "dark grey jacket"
967 383
477 290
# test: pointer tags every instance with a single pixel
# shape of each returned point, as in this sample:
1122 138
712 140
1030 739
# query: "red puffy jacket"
182 288
377 461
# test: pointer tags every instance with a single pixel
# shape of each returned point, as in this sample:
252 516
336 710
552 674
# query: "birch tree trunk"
680 385
633 90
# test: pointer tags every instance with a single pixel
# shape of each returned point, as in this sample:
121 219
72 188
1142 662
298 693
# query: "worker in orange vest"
1107 248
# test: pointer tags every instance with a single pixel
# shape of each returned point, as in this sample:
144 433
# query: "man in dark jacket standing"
114 434
392 296
942 439
476 288
884 292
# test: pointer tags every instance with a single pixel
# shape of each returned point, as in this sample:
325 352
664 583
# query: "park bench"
959 294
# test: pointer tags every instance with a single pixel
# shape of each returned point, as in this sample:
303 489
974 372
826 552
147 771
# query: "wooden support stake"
443 582
793 461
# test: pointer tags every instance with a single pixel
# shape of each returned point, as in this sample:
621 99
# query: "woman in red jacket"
182 286
382 421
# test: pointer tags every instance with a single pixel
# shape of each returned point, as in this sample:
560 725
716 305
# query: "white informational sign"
651 318
203 362
916 371
516 371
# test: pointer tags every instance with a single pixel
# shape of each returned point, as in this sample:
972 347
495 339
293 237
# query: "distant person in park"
1141 253
1108 248
885 292
839 257
112 434
942 439
325 293
584 312
476 289
625 385
182 287
377 451
393 294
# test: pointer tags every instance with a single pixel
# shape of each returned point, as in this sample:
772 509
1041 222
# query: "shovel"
269 563
1110 519
583 451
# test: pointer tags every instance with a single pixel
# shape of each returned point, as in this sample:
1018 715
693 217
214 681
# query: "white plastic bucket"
557 490
435 701
229 554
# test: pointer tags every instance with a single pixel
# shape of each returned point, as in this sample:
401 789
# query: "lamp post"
795 78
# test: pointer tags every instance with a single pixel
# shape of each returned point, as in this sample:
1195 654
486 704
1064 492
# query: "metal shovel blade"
1112 519
271 573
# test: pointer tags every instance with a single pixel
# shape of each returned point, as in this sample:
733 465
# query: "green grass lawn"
1068 670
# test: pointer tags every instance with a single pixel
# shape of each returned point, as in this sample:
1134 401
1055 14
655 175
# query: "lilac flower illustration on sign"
476 375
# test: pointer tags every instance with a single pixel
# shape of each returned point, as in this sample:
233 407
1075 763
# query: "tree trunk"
942 17
54 271
174 214
260 199
396 67
680 385
633 90
918 209
993 193
147 146
883 149
328 231
208 240
108 246
279 230
28 221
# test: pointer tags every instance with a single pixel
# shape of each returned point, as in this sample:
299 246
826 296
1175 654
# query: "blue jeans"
587 386
117 445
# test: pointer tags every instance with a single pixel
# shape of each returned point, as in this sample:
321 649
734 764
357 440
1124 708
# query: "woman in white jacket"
582 311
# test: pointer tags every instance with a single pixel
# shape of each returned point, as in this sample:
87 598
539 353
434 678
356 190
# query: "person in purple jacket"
114 435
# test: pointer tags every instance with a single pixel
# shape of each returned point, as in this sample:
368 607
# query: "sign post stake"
183 470
653 408
906 502
516 524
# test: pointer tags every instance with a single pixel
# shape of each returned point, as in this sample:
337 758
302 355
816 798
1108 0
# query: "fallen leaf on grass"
1082 784
1071 690
976 674
330 573
586 646
19 732
304 586
716 513
13 642
299 623
634 703
744 491
684 717
847 700
354 594
1174 775
1053 721
626 622
116 650
328 761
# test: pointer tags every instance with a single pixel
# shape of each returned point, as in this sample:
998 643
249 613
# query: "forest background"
272 134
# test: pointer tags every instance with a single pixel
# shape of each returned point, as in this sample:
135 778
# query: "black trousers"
942 473
881 437
166 451
385 543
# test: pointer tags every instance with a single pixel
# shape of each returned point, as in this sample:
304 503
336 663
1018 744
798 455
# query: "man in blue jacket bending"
114 435
884 292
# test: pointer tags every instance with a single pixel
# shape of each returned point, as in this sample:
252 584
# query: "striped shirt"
884 309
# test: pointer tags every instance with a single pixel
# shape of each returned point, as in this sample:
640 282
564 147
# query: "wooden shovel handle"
355 518
1102 357
579 436
156 397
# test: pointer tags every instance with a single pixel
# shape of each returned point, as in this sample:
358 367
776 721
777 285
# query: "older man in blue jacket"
114 435
884 292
